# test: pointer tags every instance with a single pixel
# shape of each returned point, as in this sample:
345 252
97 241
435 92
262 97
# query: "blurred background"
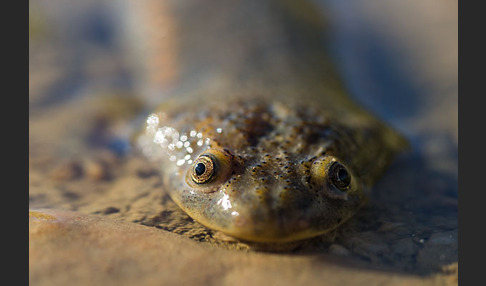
397 58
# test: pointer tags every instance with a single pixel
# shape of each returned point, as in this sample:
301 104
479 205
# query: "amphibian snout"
280 198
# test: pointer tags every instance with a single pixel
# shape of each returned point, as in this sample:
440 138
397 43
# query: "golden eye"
329 171
211 169
339 176
203 169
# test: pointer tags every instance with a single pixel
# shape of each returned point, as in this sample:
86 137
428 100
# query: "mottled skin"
253 92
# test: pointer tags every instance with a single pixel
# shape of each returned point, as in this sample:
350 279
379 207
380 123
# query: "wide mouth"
270 228
272 235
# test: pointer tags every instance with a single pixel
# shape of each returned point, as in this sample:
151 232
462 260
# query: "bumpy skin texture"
253 96
272 178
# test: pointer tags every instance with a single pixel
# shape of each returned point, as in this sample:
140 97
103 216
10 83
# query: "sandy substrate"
90 250
100 217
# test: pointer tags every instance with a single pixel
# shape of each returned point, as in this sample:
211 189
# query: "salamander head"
266 173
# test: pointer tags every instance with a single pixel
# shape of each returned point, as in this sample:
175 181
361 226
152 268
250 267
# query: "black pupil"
342 175
199 169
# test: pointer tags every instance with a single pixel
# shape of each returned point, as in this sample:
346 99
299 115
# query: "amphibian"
255 135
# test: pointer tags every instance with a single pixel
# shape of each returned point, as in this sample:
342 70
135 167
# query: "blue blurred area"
399 59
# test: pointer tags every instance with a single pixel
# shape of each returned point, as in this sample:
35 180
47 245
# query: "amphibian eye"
339 176
210 169
203 169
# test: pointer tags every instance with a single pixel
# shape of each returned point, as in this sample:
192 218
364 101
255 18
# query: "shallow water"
404 71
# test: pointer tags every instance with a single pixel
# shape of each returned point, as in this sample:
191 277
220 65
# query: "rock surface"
99 216
68 248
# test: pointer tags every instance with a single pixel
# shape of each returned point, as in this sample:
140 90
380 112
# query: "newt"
255 134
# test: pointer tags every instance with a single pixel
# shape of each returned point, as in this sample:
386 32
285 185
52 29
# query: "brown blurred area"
397 58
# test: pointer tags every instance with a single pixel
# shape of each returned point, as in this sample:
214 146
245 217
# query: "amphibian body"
255 136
